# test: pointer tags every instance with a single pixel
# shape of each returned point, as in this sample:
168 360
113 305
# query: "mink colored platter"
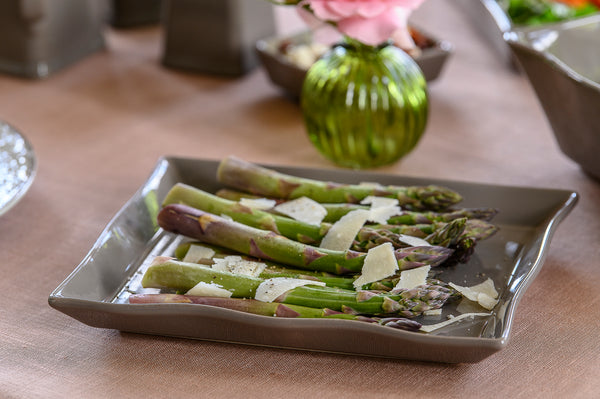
96 292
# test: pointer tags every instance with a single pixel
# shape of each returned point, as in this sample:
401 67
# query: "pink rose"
369 21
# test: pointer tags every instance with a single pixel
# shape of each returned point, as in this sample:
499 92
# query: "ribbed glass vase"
364 106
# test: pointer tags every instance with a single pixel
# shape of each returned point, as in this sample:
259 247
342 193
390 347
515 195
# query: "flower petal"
371 31
370 21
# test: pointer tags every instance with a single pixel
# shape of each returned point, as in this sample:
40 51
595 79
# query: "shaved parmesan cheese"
379 202
303 209
343 232
236 265
453 319
412 278
487 287
223 264
382 214
197 252
371 184
486 301
485 293
272 288
382 208
467 306
379 263
413 241
258 203
433 312
209 289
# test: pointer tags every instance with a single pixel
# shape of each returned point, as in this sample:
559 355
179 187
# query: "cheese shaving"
412 278
197 252
382 208
379 202
487 287
209 289
413 241
236 265
484 294
371 184
303 209
258 203
453 319
379 263
382 214
342 233
272 288
467 306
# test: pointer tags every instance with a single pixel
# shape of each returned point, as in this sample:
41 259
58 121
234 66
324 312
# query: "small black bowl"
290 77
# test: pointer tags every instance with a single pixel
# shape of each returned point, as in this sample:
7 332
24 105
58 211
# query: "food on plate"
370 254
236 173
536 12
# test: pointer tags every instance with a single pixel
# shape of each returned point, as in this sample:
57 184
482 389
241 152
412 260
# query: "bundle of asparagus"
301 274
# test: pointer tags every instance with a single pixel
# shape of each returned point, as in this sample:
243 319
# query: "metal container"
39 37
135 13
215 36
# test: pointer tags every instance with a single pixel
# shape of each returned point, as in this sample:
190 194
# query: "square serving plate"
96 292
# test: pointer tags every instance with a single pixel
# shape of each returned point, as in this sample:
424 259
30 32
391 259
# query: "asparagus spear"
172 274
336 211
272 309
272 269
212 229
407 217
235 195
196 198
276 270
447 235
479 229
241 175
475 229
243 305
440 234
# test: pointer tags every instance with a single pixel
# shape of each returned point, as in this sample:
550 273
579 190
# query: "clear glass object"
364 106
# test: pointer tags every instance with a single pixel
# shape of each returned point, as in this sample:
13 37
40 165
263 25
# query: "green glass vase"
364 106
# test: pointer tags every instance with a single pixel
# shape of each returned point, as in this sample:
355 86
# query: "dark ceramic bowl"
492 22
289 76
562 62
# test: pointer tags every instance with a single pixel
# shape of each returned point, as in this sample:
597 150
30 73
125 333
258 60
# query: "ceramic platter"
96 293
